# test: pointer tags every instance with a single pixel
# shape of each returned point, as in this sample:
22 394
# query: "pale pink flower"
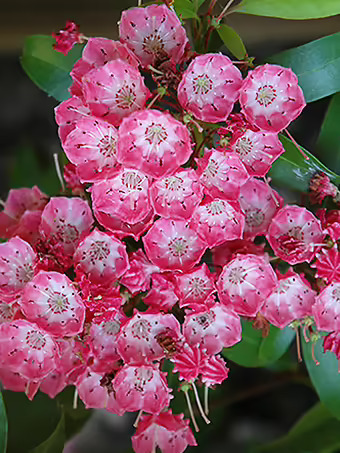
326 309
210 87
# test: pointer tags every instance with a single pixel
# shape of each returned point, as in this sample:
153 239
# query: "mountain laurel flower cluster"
168 235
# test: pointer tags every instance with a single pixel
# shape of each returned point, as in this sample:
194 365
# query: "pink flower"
214 371
321 187
99 51
195 287
271 98
153 142
295 234
68 113
162 295
153 33
328 264
326 310
173 245
330 221
171 433
189 362
210 87
67 37
331 342
138 277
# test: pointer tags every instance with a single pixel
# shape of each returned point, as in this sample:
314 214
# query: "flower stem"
186 393
199 405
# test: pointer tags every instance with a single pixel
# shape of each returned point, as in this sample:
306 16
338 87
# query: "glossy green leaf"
325 377
232 41
49 69
290 9
254 350
328 144
29 422
186 9
317 65
56 442
3 426
293 171
316 432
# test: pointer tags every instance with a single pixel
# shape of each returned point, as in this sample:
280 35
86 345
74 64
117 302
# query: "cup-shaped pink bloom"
153 33
101 257
114 90
210 87
291 300
68 113
222 174
17 263
99 51
326 309
176 196
295 234
171 433
259 203
153 142
271 98
27 349
173 245
141 387
257 150
213 329
195 287
216 221
52 301
245 283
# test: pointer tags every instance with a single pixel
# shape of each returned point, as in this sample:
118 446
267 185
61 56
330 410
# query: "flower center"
141 329
266 95
67 234
58 303
215 207
202 84
254 217
25 273
155 134
6 312
173 183
204 320
153 44
125 97
244 146
98 251
178 247
142 378
236 275
336 294
35 340
111 327
292 241
132 181
197 286
107 146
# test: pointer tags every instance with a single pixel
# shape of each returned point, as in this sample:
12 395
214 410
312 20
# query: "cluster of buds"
152 258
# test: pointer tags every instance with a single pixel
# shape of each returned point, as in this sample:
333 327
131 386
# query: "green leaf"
328 144
254 350
316 432
3 426
49 69
293 171
325 377
290 9
186 9
56 442
29 422
232 41
317 65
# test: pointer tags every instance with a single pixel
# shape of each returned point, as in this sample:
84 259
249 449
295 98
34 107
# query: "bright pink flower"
328 264
259 203
331 342
141 387
321 187
51 300
210 87
214 371
216 222
101 257
53 383
91 146
66 221
271 98
291 300
189 362
229 250
138 338
17 265
295 234
171 433
162 295
68 113
72 180
173 245
330 221
213 329
99 51
222 174
75 356
27 349
326 309
245 283
114 90
138 277
67 37
154 142
176 196
14 381
257 150
195 287
153 33
125 196
80 68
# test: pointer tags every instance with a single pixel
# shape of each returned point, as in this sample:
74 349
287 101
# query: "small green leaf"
293 171
232 41
254 350
325 376
316 432
317 65
186 9
3 426
328 144
49 69
290 9
56 442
